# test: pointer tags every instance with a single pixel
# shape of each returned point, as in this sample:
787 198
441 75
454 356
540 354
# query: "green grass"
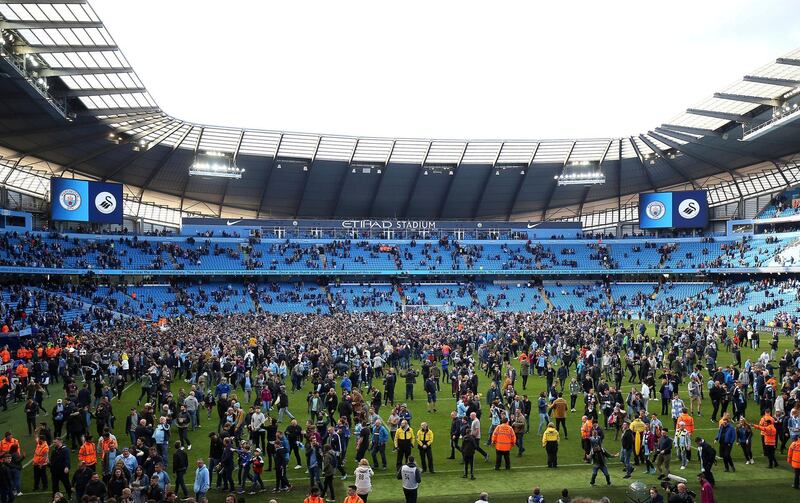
753 482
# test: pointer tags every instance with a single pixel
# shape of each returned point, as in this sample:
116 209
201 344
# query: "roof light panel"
373 150
50 11
445 152
37 13
299 146
219 139
264 143
698 121
20 13
727 106
336 148
52 37
516 152
409 151
82 12
756 89
64 12
7 12
590 150
553 152
658 143
76 36
481 152
776 71
31 37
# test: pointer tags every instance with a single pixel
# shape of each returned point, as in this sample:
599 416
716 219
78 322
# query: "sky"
445 69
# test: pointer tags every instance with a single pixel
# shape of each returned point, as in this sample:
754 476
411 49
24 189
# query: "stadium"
307 297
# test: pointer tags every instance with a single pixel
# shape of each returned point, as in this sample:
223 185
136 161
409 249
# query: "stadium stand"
316 262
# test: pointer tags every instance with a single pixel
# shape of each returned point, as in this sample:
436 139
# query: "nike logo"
531 226
232 222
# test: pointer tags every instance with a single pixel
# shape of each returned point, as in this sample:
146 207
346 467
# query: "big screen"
84 201
673 210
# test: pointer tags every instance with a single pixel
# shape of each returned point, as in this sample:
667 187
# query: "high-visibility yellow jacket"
424 437
549 435
404 436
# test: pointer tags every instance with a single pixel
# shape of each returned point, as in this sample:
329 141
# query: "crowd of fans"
53 250
244 370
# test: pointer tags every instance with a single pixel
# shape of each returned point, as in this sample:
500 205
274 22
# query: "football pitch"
748 483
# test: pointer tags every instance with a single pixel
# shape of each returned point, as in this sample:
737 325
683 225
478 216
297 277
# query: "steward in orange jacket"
770 436
504 437
504 440
88 453
793 458
6 443
41 458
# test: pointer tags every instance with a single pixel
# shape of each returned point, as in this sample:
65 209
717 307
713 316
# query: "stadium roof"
68 96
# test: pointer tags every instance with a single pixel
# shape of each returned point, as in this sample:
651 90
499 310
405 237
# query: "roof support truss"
742 119
163 161
73 140
272 164
760 100
772 81
66 72
77 93
228 180
554 185
446 195
380 180
45 49
48 25
788 61
124 165
642 164
690 130
665 158
306 176
586 189
346 174
118 111
727 147
686 150
414 184
521 184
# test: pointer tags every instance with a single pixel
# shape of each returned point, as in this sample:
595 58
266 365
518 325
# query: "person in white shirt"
645 395
363 475
257 428
483 498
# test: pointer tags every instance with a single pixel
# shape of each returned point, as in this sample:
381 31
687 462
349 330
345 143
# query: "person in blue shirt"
202 481
162 476
405 414
223 388
346 385
726 436
544 419
380 435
